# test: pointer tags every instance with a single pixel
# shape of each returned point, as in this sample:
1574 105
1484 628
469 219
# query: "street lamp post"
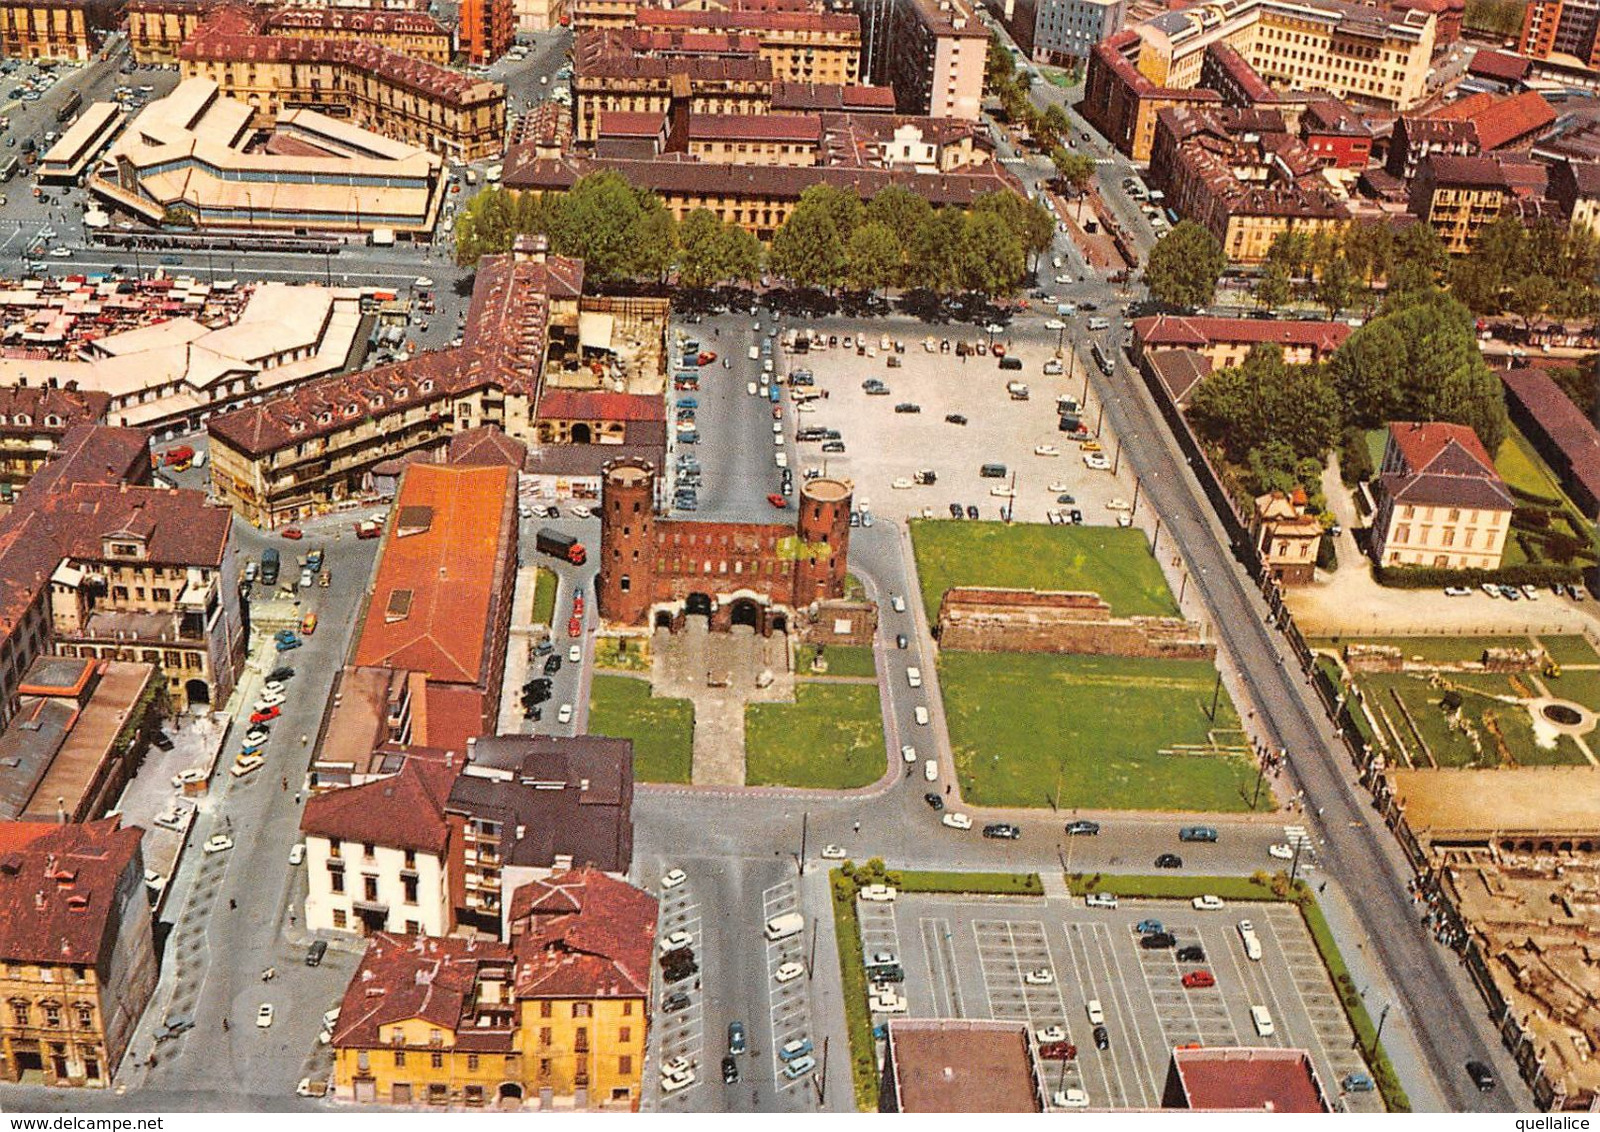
1377 1035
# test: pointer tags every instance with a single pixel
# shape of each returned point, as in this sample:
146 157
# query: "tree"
1076 169
900 210
1530 297
1336 286
992 258
935 252
999 68
873 258
1185 265
1274 289
1419 259
1028 221
711 252
1477 283
618 231
809 249
1264 402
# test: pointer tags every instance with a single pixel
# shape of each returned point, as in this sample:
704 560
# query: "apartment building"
560 1015
1561 27
1575 187
1357 53
809 46
77 953
540 15
1459 196
1335 136
414 34
410 100
932 52
1440 501
1240 175
56 29
623 72
278 461
1066 31
35 420
487 29
157 28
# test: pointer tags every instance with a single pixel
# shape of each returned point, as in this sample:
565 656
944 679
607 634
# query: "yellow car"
1090 446
308 624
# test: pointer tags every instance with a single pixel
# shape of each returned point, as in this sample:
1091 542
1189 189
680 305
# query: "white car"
61 253
1097 1016
1043 977
901 483
1063 280
1207 903
1096 461
833 853
674 941
914 676
788 972
1046 450
273 688
246 764
1070 1097
297 852
1051 1034
897 603
575 654
909 753
673 1084
674 878
1058 486
887 1003
185 777
1119 505
1002 491
269 700
957 821
1458 591
564 714
920 714
1100 900
579 511
879 894
1124 519
154 881
1054 324
1281 851
930 770
264 1015
218 843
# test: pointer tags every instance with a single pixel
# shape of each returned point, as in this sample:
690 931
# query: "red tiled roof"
1420 443
1465 109
1501 65
631 124
37 402
584 934
357 21
1566 426
1515 119
825 96
1165 330
580 405
752 21
60 890
1243 1080
403 811
436 591
486 446
422 977
756 127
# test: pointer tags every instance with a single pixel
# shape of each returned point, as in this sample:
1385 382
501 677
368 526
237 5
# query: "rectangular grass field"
662 730
830 738
1114 562
1022 722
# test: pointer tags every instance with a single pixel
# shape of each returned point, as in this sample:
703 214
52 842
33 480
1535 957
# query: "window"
19 1012
545 1007
52 1014
624 1033
399 1059
582 1009
336 881
367 850
369 889
625 1065
85 1016
436 1060
472 1061
340 920
545 1035
410 886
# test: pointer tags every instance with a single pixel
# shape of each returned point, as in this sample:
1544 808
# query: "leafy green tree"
1477 283
900 210
873 258
1530 297
1028 221
1274 288
1075 169
1185 265
1419 360
1419 260
810 247
1292 250
618 231
1266 401
935 253
495 217
992 257
999 68
1336 286
711 252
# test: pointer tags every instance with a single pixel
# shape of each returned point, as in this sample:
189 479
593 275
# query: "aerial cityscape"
799 556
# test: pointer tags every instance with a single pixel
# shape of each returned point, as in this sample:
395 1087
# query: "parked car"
1169 861
1083 828
1195 980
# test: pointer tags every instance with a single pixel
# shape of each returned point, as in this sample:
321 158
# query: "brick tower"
824 522
627 541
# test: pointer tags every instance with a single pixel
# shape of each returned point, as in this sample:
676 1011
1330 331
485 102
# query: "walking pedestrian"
224 1025
286 782
233 905
947 788
858 827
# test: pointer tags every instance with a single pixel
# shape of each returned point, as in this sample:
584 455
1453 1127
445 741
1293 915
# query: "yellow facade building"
558 1018
1440 501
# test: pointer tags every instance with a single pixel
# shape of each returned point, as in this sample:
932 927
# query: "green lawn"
1453 748
1522 468
843 660
1114 562
1441 649
627 654
1377 439
662 730
830 738
544 595
1570 650
1022 722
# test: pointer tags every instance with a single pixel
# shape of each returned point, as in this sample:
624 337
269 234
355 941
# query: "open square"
1096 732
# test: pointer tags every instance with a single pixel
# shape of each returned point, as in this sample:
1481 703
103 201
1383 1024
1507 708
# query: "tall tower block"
824 529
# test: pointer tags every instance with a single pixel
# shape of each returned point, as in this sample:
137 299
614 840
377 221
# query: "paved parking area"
882 445
1042 962
683 1033
789 1005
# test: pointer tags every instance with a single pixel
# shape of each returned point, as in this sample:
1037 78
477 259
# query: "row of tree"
832 239
1005 83
1418 359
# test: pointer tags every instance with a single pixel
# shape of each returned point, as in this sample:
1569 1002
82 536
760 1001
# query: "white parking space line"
1110 958
944 974
1087 976
789 1008
680 1034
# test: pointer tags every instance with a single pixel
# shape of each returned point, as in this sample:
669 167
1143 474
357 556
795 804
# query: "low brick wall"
981 619
839 623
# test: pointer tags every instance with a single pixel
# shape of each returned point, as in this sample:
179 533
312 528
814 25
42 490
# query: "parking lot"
1042 962
681 1033
883 445
790 1004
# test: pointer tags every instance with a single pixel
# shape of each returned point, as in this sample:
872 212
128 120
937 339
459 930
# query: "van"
993 471
930 770
315 952
784 926
920 714
914 677
1262 1017
1011 361
754 354
1099 324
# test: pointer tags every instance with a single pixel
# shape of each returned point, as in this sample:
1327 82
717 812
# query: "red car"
577 607
777 501
293 533
1058 1051
264 716
575 627
706 357
1195 979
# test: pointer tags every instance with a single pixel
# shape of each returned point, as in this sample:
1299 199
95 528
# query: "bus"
8 169
1100 359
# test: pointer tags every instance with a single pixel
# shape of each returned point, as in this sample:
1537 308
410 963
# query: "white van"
920 714
1262 1017
1097 1016
914 677
754 354
786 925
1099 324
930 770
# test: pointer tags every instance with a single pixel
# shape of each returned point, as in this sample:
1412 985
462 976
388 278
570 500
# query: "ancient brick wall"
981 619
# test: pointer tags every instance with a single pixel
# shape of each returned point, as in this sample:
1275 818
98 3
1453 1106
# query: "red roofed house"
1225 342
1230 1079
377 855
77 955
440 598
561 1014
1440 501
